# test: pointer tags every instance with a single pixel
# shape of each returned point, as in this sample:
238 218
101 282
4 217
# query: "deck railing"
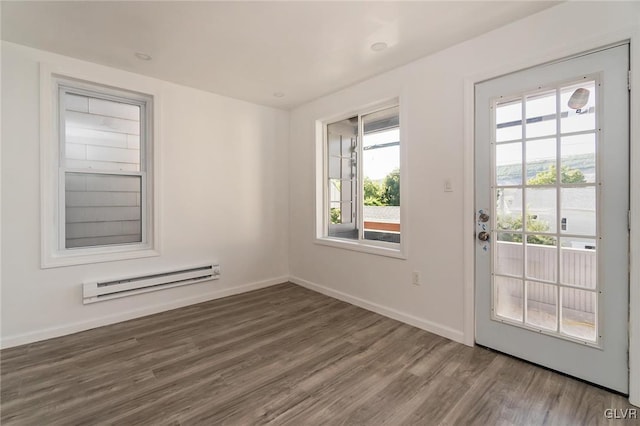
578 267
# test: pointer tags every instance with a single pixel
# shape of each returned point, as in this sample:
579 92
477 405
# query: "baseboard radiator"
98 291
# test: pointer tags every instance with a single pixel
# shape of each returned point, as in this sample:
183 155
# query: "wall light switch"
448 186
415 278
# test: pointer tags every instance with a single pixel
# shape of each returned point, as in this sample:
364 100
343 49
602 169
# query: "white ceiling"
251 50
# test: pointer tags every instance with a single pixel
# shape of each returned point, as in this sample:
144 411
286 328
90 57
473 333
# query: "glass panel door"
552 197
545 177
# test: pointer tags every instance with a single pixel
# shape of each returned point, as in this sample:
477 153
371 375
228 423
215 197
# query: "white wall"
226 169
223 195
434 105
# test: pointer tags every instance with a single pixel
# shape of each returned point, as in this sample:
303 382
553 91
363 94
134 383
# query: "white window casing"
329 234
121 222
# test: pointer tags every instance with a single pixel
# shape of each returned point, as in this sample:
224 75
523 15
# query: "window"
103 198
361 180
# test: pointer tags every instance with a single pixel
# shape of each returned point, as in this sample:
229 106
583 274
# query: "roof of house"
389 214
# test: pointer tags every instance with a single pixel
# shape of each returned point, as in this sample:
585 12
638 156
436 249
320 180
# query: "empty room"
310 212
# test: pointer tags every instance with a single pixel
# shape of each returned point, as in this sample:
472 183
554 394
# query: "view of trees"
533 224
385 193
376 193
548 177
514 223
512 173
335 215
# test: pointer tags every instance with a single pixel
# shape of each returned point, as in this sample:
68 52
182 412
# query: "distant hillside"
510 173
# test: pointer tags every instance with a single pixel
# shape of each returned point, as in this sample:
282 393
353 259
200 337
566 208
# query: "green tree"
391 189
372 193
548 177
514 223
335 215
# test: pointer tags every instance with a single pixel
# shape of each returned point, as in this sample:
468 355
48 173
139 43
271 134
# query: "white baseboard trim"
432 327
49 333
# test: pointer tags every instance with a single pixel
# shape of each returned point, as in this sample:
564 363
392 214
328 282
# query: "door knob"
483 217
483 236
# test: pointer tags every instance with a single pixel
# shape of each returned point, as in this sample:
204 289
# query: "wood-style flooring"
283 355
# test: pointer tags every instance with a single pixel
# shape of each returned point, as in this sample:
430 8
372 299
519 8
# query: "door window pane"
542 257
578 262
509 164
541 162
578 210
579 313
346 212
541 209
509 209
335 189
509 254
335 167
578 107
541 114
509 121
542 305
578 158
544 223
508 298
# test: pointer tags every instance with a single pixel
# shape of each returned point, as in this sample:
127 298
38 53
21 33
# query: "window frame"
54 83
322 237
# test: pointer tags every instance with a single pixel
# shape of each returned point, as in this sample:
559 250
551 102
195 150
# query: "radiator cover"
97 291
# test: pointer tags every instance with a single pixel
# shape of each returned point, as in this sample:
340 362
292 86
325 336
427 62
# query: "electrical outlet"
415 278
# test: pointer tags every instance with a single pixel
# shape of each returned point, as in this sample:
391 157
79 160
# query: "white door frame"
633 35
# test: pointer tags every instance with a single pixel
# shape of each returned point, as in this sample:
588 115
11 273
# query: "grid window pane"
544 222
578 210
508 298
509 209
541 210
578 107
541 162
509 254
542 305
578 158
541 114
579 313
542 257
509 121
578 262
509 164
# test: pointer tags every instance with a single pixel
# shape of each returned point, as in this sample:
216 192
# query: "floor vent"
98 291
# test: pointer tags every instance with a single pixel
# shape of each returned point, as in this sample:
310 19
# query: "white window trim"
52 252
321 236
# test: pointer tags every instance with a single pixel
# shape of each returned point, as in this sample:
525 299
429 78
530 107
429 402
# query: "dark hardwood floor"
282 355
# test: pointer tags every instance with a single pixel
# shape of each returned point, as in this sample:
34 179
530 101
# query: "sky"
377 163
540 105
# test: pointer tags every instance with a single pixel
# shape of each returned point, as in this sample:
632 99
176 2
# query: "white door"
552 200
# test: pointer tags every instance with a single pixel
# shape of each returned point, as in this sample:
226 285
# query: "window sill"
78 258
364 247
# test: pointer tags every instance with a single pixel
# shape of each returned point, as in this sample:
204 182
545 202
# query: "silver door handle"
483 236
